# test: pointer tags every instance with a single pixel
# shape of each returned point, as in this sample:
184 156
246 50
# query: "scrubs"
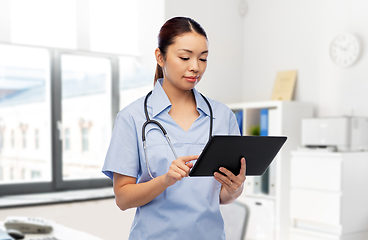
189 209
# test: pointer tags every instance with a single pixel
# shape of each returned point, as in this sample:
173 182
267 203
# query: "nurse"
169 204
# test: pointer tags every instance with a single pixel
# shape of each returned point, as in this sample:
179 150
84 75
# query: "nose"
194 66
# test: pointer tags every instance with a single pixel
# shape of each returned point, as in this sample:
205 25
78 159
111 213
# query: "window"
35 174
1 138
12 139
84 139
86 107
83 102
58 105
37 141
82 89
66 139
25 105
24 138
135 80
11 177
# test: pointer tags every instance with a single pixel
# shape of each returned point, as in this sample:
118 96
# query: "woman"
154 178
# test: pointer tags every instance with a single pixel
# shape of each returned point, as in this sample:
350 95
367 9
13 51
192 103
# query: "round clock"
345 49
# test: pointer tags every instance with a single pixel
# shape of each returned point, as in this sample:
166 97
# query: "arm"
129 194
232 186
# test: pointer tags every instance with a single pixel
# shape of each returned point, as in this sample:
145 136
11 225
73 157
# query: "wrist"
164 181
237 192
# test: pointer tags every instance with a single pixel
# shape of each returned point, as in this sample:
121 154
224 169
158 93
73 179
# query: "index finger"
243 167
188 158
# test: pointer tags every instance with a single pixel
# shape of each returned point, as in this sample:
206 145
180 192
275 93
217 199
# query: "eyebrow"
189 51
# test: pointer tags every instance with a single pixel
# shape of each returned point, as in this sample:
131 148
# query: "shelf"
284 119
263 196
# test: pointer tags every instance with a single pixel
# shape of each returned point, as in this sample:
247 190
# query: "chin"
190 86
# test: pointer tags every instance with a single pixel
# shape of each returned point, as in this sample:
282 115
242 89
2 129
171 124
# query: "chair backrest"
235 217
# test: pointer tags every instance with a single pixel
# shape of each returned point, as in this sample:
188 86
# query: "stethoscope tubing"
148 121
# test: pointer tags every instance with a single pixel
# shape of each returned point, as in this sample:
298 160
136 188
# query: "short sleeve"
233 126
123 155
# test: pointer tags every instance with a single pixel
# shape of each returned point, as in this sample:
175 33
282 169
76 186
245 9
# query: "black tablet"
226 151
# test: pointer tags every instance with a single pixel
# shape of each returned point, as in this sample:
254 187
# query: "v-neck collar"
160 101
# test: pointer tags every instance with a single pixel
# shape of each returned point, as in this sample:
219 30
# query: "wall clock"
345 49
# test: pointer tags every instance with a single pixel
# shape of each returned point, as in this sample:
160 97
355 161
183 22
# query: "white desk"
59 232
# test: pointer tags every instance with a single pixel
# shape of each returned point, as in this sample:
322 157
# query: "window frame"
57 183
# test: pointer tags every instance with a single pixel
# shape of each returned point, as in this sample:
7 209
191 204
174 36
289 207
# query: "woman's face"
186 61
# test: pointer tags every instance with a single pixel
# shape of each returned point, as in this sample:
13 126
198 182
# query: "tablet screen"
227 151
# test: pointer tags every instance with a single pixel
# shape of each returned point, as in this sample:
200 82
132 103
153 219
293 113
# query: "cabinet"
269 211
329 195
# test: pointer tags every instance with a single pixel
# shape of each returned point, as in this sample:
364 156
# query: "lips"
192 79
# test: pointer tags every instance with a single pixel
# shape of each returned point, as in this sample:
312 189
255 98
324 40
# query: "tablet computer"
226 151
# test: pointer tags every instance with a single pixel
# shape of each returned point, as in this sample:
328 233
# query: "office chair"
235 217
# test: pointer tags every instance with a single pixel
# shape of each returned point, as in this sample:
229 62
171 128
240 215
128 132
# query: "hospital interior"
285 67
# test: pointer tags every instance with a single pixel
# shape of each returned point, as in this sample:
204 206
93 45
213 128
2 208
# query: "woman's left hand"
233 184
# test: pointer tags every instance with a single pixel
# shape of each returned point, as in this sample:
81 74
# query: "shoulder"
225 121
219 108
132 111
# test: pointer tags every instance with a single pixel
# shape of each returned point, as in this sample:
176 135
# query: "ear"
159 57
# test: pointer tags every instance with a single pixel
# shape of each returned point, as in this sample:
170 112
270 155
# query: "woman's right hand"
179 169
129 194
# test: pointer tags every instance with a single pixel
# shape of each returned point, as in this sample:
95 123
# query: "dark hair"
173 28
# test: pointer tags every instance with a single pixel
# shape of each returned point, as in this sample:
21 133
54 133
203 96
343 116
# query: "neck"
178 96
183 105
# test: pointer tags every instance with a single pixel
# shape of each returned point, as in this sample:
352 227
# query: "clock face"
345 50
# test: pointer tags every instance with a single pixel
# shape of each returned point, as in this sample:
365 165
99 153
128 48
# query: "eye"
203 59
184 59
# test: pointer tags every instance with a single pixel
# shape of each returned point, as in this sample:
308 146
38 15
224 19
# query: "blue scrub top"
189 209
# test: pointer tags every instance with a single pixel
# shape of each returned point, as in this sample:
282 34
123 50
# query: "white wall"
224 26
287 34
148 31
277 35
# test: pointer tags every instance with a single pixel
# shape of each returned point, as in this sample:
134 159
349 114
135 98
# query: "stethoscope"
148 121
